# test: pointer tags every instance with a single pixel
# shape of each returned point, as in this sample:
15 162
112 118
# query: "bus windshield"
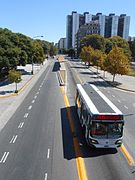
106 130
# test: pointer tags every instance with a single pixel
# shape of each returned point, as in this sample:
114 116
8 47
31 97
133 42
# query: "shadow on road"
67 137
105 83
56 67
79 67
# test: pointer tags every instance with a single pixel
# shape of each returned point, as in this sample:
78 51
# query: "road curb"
125 89
21 89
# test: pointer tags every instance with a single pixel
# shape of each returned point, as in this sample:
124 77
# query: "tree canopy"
95 41
117 62
18 49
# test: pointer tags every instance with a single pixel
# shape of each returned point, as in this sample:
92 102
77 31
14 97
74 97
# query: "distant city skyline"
48 18
109 25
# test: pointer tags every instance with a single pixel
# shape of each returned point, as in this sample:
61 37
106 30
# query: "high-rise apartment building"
123 28
92 27
111 25
74 21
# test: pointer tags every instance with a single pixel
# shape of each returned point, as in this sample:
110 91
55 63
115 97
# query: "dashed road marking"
108 91
33 101
113 96
39 89
26 115
45 176
37 92
13 139
126 107
35 97
48 154
119 101
21 125
29 108
4 157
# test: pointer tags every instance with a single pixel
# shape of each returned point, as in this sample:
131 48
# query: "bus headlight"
93 141
118 141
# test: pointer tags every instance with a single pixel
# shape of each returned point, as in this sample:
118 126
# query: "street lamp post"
32 71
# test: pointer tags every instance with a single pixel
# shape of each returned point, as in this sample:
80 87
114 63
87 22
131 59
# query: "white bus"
101 120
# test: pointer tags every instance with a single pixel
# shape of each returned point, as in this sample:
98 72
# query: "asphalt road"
36 143
103 163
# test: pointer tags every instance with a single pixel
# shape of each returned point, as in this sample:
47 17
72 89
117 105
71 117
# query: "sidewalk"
10 101
123 82
7 89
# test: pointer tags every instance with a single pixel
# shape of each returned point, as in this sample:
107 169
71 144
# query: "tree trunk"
97 69
16 91
104 74
113 77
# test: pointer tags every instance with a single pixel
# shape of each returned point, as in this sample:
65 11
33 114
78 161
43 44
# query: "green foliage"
37 52
132 48
95 41
14 76
71 52
121 43
17 49
52 50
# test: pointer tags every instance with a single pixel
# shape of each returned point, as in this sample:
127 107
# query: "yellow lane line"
127 155
24 87
122 148
79 160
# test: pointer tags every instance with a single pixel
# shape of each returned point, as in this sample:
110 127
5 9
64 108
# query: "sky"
48 17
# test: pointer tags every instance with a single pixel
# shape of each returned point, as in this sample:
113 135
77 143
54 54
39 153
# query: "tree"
71 52
23 57
117 62
38 52
132 48
14 76
86 54
121 43
95 41
97 58
52 50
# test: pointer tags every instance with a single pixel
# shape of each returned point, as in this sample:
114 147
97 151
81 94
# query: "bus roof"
96 101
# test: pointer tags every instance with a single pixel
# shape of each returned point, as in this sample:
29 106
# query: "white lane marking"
45 176
33 101
104 88
40 86
39 89
29 108
48 154
37 92
108 91
126 107
113 96
4 160
26 115
21 125
13 139
35 97
4 157
119 101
